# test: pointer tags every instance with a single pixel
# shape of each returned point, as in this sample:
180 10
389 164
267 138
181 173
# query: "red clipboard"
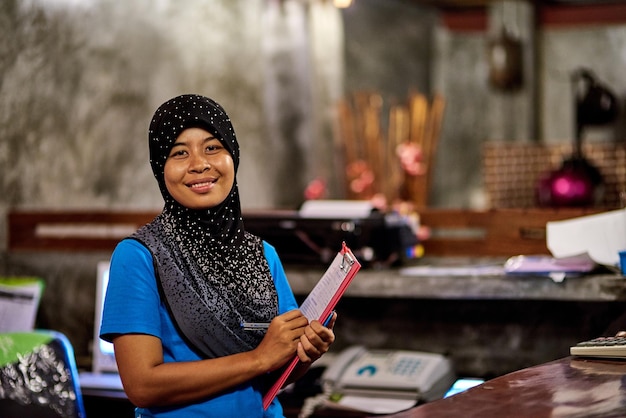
320 303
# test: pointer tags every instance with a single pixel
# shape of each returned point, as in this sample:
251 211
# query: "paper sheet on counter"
453 271
373 405
601 236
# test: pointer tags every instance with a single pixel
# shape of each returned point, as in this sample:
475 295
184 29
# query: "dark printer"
314 234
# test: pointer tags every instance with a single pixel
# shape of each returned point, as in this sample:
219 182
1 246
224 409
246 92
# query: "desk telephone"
389 374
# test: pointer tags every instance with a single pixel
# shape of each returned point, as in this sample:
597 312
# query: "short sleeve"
132 299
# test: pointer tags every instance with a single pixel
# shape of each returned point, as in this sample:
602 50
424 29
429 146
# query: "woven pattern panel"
511 171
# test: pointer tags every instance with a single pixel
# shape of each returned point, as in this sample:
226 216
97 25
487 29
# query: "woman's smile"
202 186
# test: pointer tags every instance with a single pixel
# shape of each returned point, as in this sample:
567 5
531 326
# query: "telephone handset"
389 373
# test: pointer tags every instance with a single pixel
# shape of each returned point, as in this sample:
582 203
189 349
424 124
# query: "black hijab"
212 273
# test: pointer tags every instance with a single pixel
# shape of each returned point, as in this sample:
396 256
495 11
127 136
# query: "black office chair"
38 376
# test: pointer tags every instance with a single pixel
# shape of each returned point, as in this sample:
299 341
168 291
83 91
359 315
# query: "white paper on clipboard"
324 296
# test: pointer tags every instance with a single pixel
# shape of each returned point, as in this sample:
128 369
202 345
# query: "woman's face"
199 172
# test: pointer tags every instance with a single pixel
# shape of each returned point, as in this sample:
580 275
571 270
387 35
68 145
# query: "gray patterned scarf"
212 273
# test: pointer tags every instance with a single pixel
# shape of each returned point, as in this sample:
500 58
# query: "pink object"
572 185
411 158
316 189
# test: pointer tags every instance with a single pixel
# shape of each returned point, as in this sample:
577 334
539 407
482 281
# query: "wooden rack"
455 232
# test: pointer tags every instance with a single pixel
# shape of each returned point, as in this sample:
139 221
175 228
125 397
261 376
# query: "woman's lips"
202 185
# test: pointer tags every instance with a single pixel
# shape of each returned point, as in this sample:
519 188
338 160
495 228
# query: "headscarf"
212 273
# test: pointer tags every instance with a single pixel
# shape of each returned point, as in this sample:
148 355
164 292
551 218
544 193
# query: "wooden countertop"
569 387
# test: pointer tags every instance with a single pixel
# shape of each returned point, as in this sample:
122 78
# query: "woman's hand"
282 338
316 340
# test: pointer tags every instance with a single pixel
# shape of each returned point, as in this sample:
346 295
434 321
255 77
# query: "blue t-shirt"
133 305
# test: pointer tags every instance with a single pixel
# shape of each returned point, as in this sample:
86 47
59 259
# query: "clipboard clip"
347 261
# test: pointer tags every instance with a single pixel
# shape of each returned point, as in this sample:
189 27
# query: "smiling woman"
182 285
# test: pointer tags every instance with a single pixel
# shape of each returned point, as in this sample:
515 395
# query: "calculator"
610 347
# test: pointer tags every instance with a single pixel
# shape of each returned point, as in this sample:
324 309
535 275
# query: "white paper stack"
601 236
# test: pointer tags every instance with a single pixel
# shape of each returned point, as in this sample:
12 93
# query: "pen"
254 326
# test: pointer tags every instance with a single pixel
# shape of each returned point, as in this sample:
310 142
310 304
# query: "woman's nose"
199 163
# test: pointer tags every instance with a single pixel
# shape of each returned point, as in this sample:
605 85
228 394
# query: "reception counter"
568 387
487 324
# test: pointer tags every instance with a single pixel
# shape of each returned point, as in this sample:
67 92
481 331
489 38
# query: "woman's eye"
178 153
212 149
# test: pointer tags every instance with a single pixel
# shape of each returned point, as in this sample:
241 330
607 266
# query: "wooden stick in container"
418 106
434 130
398 133
416 184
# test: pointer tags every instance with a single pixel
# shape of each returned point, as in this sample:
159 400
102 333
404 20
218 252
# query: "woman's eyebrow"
208 138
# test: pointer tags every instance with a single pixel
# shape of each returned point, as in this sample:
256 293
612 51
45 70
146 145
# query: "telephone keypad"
406 366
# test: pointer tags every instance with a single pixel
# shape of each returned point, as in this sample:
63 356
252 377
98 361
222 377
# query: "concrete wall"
80 81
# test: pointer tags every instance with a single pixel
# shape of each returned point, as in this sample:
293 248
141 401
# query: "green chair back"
38 376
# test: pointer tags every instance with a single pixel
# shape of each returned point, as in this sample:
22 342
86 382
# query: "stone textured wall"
80 81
